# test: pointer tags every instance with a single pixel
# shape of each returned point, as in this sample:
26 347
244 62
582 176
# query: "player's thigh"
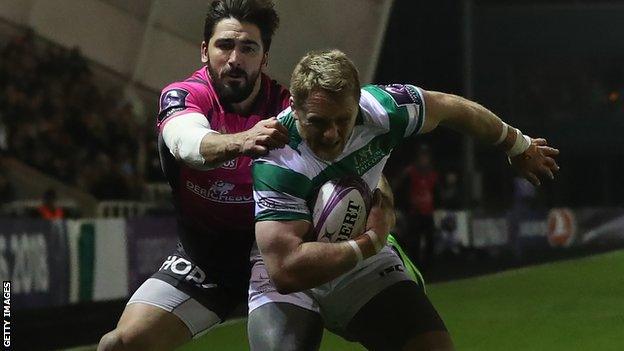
148 322
283 326
180 301
161 316
400 317
147 327
277 321
341 299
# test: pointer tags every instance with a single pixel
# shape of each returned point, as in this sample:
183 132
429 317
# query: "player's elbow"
286 283
184 136
211 162
189 154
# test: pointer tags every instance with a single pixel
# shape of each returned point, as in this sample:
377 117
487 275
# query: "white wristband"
521 144
503 135
375 239
358 251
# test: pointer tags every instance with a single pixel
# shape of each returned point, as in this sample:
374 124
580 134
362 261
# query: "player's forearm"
316 263
470 118
313 264
218 148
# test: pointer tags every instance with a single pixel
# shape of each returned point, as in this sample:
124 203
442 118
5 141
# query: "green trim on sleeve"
270 177
282 216
288 120
397 115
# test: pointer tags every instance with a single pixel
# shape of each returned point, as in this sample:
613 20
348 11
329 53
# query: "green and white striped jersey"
286 180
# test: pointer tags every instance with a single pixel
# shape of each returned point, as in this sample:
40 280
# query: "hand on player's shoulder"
537 162
266 135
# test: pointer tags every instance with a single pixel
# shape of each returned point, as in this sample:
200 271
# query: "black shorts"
393 317
201 295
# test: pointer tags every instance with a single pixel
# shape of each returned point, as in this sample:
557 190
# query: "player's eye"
318 124
248 49
225 45
343 121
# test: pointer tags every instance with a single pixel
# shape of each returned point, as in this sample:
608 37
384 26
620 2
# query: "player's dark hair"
259 12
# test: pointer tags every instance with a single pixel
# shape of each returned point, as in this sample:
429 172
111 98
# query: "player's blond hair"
329 70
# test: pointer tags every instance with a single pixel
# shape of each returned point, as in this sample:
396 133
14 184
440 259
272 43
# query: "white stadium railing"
123 209
157 192
26 207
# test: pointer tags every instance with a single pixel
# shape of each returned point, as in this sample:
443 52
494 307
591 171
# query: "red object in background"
422 184
51 213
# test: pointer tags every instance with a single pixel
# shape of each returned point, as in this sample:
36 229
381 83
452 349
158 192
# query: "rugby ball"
341 209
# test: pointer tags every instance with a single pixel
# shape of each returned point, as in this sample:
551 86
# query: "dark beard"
233 92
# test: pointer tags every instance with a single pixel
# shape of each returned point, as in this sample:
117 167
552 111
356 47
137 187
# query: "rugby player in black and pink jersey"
210 126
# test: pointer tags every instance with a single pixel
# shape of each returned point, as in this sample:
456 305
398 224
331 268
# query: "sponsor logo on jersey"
390 269
219 191
279 204
165 114
174 98
220 188
231 164
172 101
402 94
367 157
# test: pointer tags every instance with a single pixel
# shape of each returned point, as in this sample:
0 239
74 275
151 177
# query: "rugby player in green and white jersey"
359 287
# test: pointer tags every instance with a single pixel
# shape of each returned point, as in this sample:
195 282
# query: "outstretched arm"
532 158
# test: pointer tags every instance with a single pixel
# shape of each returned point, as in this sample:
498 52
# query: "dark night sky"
423 45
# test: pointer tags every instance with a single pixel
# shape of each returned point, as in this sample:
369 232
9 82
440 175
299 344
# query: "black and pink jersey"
215 207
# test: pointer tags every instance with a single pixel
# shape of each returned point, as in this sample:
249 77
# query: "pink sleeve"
176 99
285 98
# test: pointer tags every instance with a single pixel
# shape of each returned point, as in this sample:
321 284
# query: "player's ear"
265 60
291 101
204 52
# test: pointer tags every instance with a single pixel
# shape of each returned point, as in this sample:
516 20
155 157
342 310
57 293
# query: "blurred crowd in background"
55 118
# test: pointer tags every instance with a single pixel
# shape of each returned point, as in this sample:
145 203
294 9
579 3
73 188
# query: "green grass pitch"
568 305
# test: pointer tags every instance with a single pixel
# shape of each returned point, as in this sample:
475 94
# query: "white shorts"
339 300
158 293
